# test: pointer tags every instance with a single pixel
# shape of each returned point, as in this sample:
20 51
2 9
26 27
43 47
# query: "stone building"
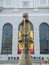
11 15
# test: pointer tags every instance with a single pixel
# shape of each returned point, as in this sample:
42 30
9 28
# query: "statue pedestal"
25 59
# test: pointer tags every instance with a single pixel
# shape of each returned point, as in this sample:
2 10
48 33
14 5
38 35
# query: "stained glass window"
31 34
44 38
7 39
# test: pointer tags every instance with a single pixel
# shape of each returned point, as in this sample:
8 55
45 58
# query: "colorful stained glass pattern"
31 34
31 48
19 48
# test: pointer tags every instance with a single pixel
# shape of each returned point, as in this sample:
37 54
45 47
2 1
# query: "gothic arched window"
30 30
7 39
44 38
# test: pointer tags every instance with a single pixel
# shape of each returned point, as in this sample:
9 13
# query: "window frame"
43 39
43 6
7 38
7 6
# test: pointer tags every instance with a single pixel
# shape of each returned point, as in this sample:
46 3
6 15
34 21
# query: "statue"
25 58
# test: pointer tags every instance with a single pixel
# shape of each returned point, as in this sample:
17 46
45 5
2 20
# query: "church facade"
11 15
